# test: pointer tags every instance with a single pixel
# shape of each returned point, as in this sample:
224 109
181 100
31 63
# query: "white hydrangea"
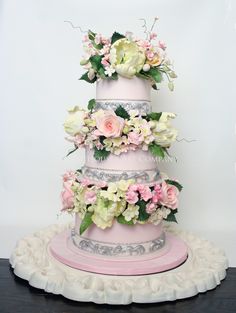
131 213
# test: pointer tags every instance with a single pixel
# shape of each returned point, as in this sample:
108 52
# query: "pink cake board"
175 253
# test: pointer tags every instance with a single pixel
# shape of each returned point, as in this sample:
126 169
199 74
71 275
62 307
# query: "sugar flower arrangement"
100 203
127 56
119 131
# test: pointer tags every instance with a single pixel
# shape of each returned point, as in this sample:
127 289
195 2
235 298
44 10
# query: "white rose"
75 121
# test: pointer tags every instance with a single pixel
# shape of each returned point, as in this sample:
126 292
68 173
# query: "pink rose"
67 197
151 208
135 138
90 197
109 124
169 196
131 196
157 194
145 192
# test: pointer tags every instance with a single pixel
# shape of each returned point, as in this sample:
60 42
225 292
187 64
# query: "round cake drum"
171 255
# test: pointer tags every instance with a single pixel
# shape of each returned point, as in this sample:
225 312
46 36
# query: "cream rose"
75 121
108 123
126 57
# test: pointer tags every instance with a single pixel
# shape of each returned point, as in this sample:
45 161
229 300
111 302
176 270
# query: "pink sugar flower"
131 197
69 176
169 196
151 208
153 36
67 197
109 124
133 187
135 138
145 192
90 197
162 45
85 181
157 193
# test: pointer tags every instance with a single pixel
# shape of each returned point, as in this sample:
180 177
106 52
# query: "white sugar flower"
75 121
132 212
109 70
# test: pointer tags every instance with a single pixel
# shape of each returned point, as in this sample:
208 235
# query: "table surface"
16 296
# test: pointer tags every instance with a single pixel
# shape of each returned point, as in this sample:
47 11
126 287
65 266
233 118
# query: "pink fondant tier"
62 248
137 160
119 233
123 89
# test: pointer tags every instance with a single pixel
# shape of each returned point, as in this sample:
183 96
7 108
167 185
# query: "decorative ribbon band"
116 249
115 175
142 106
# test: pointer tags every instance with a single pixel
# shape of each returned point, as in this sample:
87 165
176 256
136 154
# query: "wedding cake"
119 197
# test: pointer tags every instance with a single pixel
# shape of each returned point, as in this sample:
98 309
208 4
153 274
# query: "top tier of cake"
132 94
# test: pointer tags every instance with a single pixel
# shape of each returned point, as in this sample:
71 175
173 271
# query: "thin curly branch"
145 27
75 27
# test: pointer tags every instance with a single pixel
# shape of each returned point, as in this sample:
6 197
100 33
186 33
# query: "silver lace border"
142 106
114 249
113 176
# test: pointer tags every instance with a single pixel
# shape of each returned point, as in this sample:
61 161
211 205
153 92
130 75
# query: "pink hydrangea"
90 197
85 181
145 192
131 196
157 193
69 176
151 208
67 196
169 196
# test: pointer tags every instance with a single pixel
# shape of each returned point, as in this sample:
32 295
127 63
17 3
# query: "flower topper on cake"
127 56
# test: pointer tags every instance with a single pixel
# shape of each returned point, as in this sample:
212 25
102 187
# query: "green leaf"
86 222
155 74
86 78
171 86
116 36
156 150
174 183
100 154
142 74
95 61
154 116
71 151
101 73
121 219
91 35
171 217
91 104
114 76
143 215
120 111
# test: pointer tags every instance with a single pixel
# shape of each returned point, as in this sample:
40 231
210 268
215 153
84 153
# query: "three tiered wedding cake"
119 196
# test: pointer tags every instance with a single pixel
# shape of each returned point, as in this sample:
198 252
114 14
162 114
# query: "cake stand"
203 270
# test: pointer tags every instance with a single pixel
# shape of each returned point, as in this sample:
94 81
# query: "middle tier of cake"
138 165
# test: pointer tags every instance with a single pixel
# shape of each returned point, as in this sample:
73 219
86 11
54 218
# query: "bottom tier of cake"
120 250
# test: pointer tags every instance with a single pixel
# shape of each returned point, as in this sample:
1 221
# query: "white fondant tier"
121 234
123 89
